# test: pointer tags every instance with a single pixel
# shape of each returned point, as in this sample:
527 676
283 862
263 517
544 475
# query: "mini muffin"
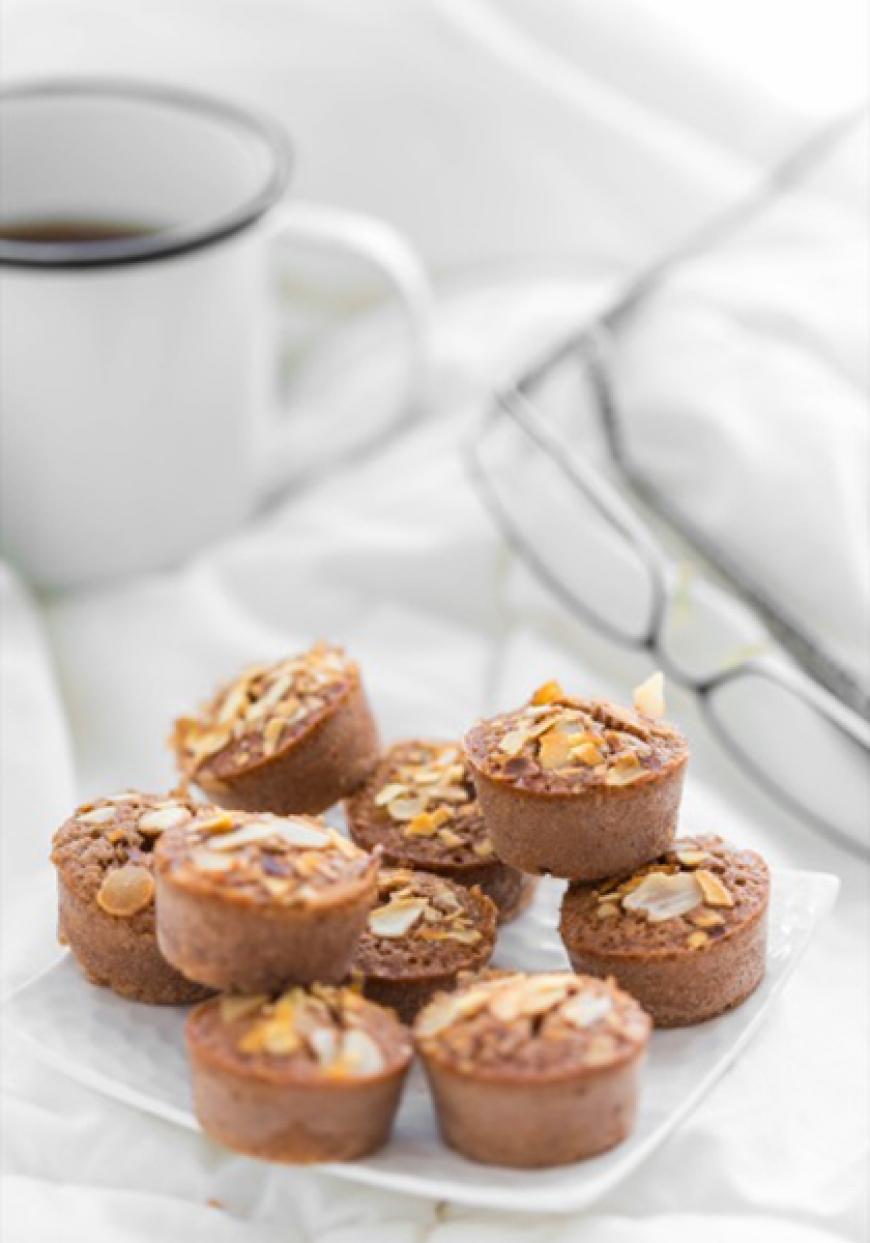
292 737
104 860
579 788
533 1070
314 1075
686 934
252 903
419 806
424 931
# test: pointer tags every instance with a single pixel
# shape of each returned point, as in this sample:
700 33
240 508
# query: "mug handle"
386 250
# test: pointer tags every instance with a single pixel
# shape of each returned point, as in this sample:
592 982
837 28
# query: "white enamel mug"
138 373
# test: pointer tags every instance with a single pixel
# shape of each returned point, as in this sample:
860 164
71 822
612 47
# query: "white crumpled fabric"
596 132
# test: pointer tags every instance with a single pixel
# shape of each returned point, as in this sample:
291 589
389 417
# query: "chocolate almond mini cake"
420 807
533 1070
104 860
422 933
686 934
296 736
255 902
579 788
313 1075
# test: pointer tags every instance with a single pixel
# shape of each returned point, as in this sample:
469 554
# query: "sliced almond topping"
607 910
210 743
513 742
662 895
407 808
100 815
448 1008
583 1010
427 823
272 734
624 769
126 890
649 697
222 822
360 1055
587 753
397 918
323 1042
691 858
706 919
301 833
448 793
387 793
236 1007
550 692
554 749
275 1036
248 834
277 886
449 838
165 818
715 893
483 848
697 940
600 1050
207 860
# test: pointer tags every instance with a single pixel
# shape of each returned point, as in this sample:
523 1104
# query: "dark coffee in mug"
74 229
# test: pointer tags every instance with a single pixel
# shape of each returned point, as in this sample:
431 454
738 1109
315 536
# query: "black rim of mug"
168 243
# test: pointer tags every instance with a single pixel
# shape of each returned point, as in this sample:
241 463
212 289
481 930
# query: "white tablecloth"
395 557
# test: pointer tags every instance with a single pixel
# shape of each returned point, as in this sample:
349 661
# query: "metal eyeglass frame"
514 403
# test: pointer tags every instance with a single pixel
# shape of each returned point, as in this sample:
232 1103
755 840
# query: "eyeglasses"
574 530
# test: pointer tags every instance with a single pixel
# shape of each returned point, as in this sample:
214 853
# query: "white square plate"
135 1053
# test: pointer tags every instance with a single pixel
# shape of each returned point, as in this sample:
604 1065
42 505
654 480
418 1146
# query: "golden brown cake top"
689 898
105 850
560 743
548 1024
258 857
264 710
424 923
420 805
319 1032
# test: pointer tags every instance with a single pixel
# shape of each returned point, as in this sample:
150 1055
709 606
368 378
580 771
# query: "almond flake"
587 753
706 919
448 793
715 893
662 895
600 1051
427 823
387 793
247 835
236 1007
554 749
207 860
449 838
550 692
162 819
100 815
277 886
607 910
360 1054
513 742
483 848
582 1010
397 918
697 940
272 734
407 808
323 1042
126 890
446 1009
625 769
301 833
220 823
691 858
649 697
